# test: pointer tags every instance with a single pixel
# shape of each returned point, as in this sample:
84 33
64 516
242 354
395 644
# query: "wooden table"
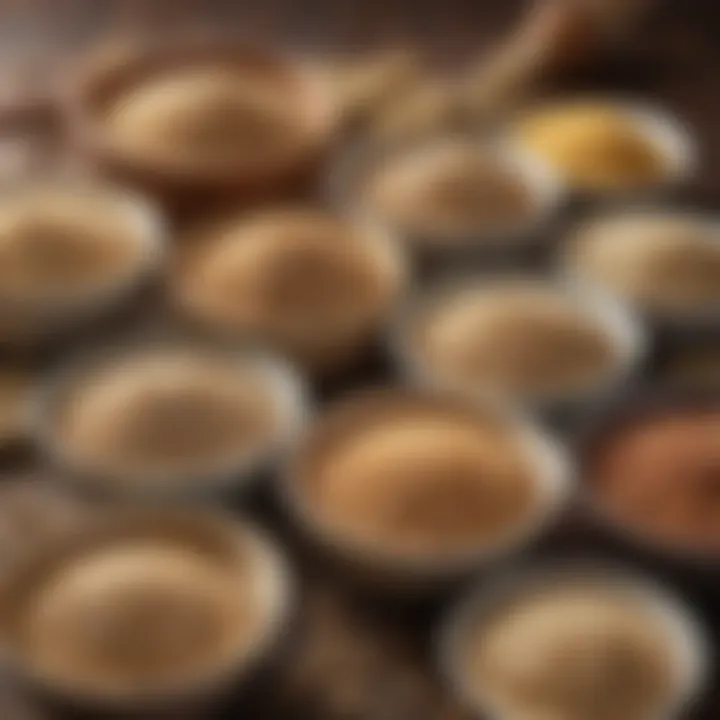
351 659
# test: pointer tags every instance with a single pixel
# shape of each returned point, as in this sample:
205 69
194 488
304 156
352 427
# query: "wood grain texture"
350 659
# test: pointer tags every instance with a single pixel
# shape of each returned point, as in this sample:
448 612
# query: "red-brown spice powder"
661 475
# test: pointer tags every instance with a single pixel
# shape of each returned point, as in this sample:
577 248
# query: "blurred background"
673 59
353 659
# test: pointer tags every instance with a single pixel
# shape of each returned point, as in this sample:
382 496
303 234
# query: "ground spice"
663 263
527 343
163 617
442 191
139 609
165 414
661 477
574 652
56 244
596 147
412 479
311 285
207 115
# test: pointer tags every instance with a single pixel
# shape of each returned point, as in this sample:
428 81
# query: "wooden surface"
348 658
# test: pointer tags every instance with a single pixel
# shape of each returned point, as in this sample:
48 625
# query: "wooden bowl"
181 182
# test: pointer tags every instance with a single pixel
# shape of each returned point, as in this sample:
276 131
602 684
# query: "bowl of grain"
199 121
608 147
664 262
451 197
411 490
145 611
552 346
588 642
313 285
71 252
168 419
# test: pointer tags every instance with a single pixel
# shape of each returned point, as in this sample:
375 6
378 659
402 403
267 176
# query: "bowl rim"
288 389
79 95
695 654
613 317
547 189
671 136
279 580
151 236
617 414
552 472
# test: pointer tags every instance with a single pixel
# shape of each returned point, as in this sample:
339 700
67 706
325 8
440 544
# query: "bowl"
153 579
691 565
515 241
561 407
669 325
684 633
314 286
414 569
269 395
665 134
179 181
33 316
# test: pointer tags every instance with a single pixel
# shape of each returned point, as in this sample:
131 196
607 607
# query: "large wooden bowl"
98 83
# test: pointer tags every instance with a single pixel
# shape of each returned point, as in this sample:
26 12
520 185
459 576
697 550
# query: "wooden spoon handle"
554 37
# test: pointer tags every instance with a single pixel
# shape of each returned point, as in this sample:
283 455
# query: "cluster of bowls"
180 188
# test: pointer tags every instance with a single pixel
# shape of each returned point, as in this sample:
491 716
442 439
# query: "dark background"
360 664
675 58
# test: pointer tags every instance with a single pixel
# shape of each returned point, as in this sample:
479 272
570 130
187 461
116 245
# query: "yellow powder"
596 147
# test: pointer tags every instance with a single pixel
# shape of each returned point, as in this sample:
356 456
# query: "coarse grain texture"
448 190
667 265
529 342
312 285
674 59
573 651
157 418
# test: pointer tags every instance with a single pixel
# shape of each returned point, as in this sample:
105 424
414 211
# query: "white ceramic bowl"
684 632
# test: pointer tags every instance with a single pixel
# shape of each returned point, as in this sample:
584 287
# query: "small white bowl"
708 225
32 319
622 327
543 184
234 540
693 652
672 140
286 388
